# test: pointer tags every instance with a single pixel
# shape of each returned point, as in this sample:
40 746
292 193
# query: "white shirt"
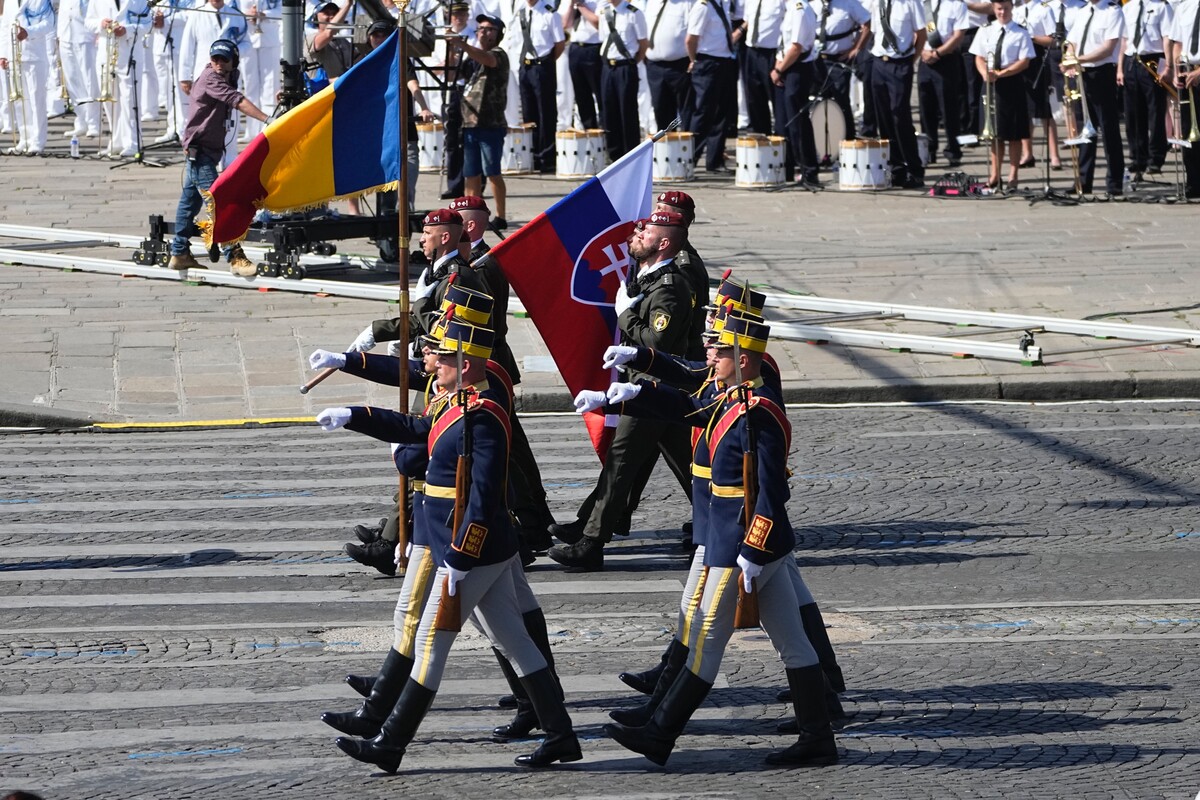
800 29
667 20
1156 21
844 19
767 29
1107 24
37 18
1035 17
1016 44
705 22
631 29
1067 11
268 31
907 18
545 30
1181 30
71 24
947 16
581 31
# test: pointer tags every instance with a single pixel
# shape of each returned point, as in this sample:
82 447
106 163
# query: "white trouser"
7 123
33 107
79 65
148 80
55 104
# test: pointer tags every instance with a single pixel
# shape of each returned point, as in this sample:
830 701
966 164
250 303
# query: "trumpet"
1074 90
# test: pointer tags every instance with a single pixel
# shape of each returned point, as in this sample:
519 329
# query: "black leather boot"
387 749
560 743
818 637
570 533
833 707
525 720
676 657
379 554
385 691
816 746
644 682
361 683
656 739
586 555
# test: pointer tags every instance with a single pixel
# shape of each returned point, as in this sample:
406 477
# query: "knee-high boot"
816 746
363 684
676 656
818 637
656 739
560 743
645 682
387 749
525 719
385 691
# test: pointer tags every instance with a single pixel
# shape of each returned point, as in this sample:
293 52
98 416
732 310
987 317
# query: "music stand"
139 157
1048 193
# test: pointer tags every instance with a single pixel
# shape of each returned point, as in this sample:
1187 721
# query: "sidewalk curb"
22 416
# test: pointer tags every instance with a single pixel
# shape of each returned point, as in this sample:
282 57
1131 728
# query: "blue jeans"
198 173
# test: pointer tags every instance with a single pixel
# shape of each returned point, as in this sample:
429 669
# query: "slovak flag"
567 264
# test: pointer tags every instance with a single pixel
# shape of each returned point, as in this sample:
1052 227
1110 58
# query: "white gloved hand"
618 354
750 571
323 359
423 289
333 418
364 342
622 392
453 576
394 349
623 302
589 400
408 550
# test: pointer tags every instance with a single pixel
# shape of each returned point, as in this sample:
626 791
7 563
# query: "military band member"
1184 48
77 50
1094 39
262 57
537 31
899 28
793 74
1002 52
762 39
623 44
843 30
978 15
476 559
582 28
1146 22
1038 21
713 33
939 77
31 26
759 546
667 64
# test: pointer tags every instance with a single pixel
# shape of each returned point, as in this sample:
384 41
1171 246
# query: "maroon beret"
469 203
667 219
443 216
678 200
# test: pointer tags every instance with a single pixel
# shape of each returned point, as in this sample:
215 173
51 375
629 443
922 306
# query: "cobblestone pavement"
1012 592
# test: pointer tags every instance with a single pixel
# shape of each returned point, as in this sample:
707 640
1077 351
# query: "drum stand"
1048 193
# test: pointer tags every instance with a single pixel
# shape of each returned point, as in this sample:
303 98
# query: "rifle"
746 615
449 616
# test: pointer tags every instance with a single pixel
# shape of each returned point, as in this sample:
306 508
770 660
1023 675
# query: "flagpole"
403 240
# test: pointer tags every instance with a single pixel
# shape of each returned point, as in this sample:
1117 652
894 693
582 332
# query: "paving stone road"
1012 591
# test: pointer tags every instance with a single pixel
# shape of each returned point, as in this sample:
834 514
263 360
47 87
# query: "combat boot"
366 535
385 691
380 554
387 749
361 683
676 657
586 555
560 744
570 533
816 746
656 739
525 720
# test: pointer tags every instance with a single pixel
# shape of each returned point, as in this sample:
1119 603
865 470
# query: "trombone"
1186 98
108 72
1073 89
988 134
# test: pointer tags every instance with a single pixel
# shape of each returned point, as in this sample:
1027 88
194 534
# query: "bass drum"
829 129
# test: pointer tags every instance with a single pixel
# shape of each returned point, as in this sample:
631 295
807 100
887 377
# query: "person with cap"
653 310
690 264
581 24
477 557
623 46
214 20
332 54
745 547
667 65
213 97
483 105
540 41
713 33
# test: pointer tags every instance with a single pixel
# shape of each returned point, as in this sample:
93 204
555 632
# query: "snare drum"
759 161
863 165
429 142
518 151
673 158
581 154
829 129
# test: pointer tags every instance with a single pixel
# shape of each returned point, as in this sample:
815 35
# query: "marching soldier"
476 553
899 27
540 38
655 310
623 45
667 64
1094 41
745 422
713 32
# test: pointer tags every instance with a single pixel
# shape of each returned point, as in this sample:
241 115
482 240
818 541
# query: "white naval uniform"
77 49
37 18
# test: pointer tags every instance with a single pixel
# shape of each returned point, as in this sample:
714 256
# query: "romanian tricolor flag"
341 142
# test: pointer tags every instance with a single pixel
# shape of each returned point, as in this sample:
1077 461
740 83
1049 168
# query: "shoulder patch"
668 279
760 528
472 540
660 321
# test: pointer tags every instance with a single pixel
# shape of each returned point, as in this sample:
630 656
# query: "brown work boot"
185 261
240 265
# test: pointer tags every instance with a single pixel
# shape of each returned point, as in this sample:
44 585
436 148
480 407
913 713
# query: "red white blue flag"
566 265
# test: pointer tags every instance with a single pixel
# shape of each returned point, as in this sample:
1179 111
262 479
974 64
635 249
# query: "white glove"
622 392
589 400
453 576
423 289
323 359
407 553
618 354
750 571
364 342
333 418
624 302
394 349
